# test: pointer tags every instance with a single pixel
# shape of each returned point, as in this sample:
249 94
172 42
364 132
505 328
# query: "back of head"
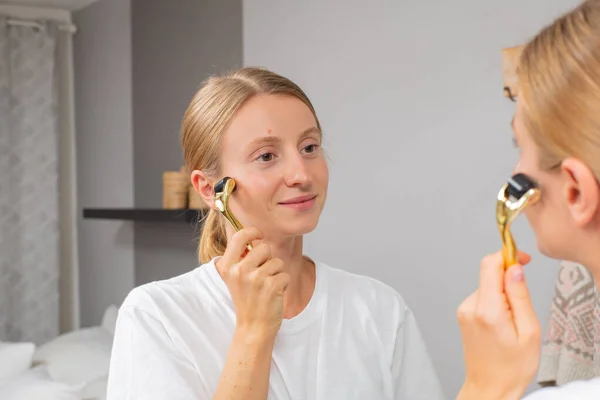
205 122
559 79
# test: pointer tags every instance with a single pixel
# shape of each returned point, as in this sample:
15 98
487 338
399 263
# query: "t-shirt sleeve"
146 364
415 377
580 390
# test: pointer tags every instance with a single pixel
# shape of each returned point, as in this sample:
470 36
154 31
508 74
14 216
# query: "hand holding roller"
223 190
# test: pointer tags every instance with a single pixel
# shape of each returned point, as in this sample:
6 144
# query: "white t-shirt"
576 390
356 339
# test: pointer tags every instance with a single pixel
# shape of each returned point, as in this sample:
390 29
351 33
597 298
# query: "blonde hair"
205 121
559 79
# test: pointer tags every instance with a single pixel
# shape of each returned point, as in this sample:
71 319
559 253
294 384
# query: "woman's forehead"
270 116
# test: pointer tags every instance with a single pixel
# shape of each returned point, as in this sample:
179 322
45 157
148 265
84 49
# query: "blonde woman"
557 128
272 322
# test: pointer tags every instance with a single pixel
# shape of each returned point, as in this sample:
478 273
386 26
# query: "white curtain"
33 215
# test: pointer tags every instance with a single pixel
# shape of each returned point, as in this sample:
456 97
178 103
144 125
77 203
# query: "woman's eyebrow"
261 141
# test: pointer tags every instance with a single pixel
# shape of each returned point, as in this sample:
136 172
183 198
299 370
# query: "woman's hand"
501 333
256 283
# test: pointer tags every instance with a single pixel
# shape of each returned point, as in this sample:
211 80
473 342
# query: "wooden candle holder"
175 189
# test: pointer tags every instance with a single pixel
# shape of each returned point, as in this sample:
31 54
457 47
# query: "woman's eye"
515 143
266 157
311 148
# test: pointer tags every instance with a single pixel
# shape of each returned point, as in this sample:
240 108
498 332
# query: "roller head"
518 185
517 193
220 186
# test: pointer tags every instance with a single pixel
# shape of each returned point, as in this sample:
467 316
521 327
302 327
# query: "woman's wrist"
254 337
471 391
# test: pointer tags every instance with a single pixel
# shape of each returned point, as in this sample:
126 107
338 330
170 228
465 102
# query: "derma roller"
223 190
516 194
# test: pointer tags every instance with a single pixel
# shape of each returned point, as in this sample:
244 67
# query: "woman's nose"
296 171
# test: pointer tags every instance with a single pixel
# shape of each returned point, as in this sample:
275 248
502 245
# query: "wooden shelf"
144 214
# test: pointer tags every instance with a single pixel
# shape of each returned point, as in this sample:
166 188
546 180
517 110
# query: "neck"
301 270
591 260
594 268
302 274
289 251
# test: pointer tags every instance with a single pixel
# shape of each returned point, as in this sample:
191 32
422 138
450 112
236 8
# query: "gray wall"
174 49
137 65
102 58
418 132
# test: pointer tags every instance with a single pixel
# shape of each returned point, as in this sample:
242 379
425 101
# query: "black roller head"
220 186
518 185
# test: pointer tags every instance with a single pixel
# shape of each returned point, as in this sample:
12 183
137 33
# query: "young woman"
272 322
557 128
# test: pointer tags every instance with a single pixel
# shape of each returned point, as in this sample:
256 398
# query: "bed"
73 366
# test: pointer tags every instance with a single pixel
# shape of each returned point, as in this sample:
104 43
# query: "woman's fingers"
491 286
271 267
524 317
257 257
236 248
523 258
280 282
491 282
466 311
499 330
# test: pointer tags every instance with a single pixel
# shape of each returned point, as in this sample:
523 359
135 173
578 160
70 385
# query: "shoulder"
365 291
363 286
580 390
157 298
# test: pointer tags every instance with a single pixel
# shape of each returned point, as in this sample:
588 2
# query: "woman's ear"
203 186
581 190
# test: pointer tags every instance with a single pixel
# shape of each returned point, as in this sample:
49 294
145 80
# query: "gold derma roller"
223 190
516 194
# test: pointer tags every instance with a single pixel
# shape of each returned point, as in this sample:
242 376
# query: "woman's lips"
300 203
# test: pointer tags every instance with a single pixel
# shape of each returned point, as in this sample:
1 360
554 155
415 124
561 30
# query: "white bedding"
73 366
37 384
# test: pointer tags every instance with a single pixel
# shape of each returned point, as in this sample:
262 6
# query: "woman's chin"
298 228
280 227
549 251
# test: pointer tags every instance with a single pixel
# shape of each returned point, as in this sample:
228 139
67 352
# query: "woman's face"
272 148
556 217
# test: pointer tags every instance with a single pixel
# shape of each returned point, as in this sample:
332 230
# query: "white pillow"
15 358
96 390
36 384
109 319
77 357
